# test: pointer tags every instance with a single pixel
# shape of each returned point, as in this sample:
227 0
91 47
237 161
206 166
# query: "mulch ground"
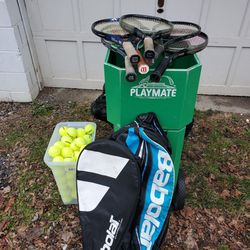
215 161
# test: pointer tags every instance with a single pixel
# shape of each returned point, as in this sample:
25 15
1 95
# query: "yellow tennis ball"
63 131
67 152
80 141
89 129
76 155
73 146
58 159
72 132
59 144
71 159
54 151
66 140
80 132
87 138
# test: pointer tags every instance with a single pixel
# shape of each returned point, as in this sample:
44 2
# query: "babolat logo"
155 211
111 233
151 90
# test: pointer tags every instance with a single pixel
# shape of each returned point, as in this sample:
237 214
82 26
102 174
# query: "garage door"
71 56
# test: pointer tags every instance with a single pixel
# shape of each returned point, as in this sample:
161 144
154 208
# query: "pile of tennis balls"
68 149
72 142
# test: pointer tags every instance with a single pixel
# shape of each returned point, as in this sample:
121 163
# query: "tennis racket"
147 28
130 71
110 30
178 49
131 75
180 31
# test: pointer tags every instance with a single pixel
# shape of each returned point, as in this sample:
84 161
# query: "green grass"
42 109
223 247
221 145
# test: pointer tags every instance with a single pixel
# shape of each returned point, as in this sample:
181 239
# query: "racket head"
189 46
110 29
184 29
143 25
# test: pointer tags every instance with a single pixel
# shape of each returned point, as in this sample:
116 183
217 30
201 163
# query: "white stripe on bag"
90 195
100 163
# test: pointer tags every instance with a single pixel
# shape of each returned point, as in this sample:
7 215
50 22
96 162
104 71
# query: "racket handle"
131 52
130 71
149 48
143 67
159 49
157 74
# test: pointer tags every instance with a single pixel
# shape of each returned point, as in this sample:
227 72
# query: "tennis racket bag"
108 187
143 205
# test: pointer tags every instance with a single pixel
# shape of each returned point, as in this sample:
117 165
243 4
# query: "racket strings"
146 24
191 44
182 30
111 28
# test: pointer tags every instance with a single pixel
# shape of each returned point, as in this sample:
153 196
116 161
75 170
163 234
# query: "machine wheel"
180 192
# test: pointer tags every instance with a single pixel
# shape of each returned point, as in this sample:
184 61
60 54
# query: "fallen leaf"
225 193
6 190
4 225
21 231
9 204
220 219
191 242
66 236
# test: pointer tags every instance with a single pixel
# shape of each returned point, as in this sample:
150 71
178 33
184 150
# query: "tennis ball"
66 140
72 132
87 138
59 144
67 152
76 155
54 151
58 159
80 132
80 141
63 131
73 146
89 129
72 159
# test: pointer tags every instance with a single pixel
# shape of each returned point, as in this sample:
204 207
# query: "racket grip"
149 48
143 67
159 49
130 71
157 74
131 52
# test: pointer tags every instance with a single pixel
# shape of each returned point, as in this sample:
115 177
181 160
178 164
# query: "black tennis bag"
125 187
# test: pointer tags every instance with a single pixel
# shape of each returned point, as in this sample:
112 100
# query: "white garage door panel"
57 14
242 74
92 54
92 9
138 7
216 62
225 17
183 10
64 61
